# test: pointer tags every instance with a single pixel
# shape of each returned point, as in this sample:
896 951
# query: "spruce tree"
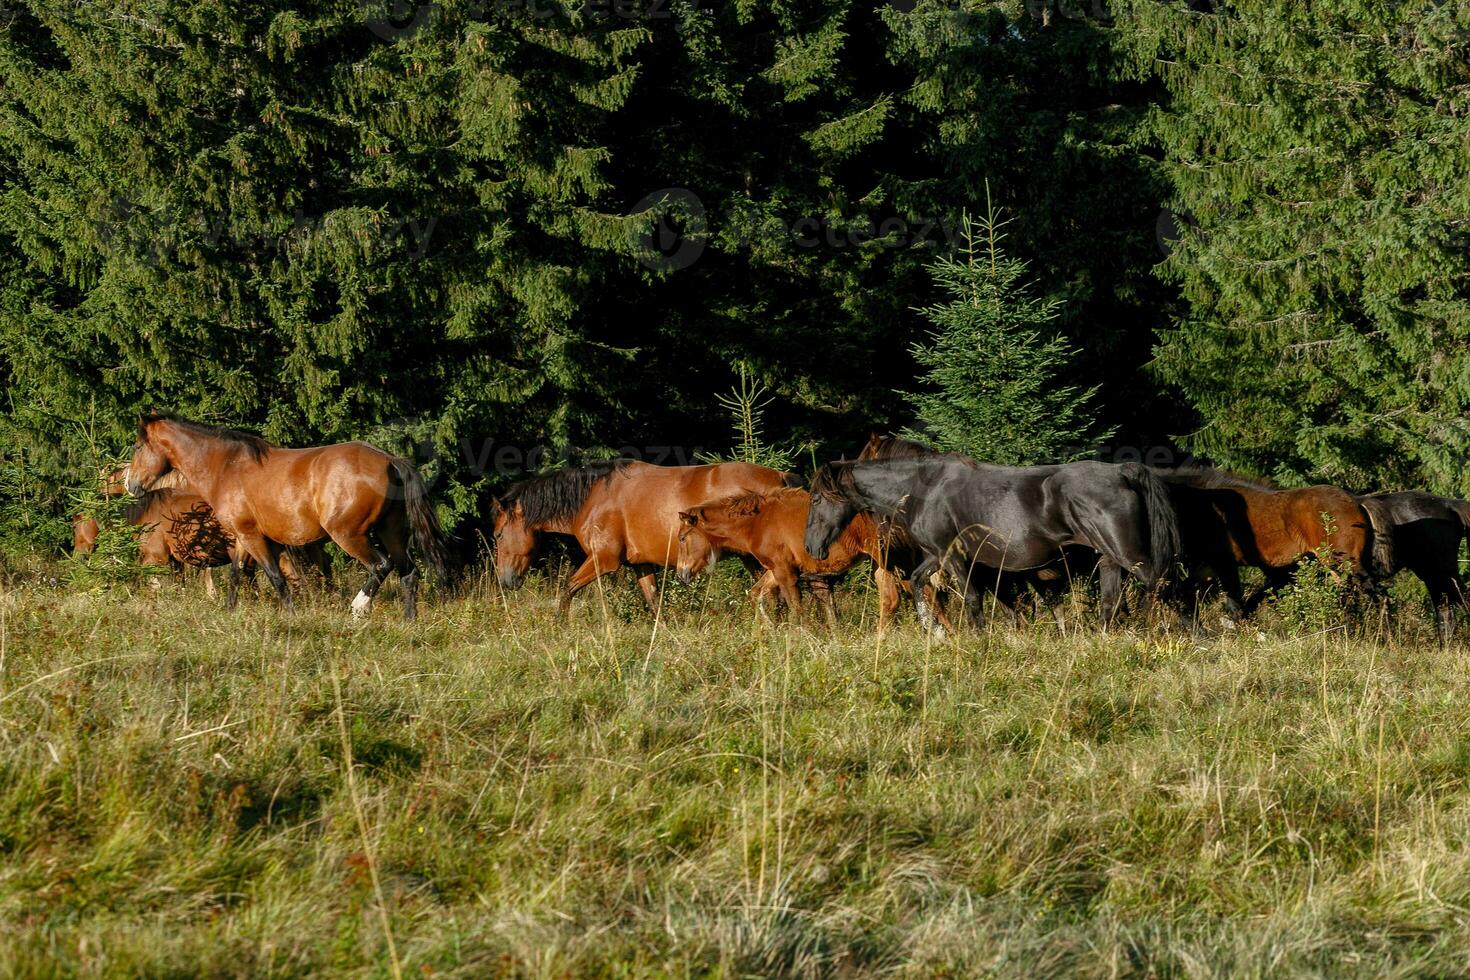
1318 156
993 360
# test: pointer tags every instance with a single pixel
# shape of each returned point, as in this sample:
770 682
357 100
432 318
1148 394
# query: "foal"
769 528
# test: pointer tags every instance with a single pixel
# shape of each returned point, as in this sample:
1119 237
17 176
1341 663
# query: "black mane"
558 496
833 479
1210 478
248 441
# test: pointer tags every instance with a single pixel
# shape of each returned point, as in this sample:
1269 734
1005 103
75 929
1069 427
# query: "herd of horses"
932 524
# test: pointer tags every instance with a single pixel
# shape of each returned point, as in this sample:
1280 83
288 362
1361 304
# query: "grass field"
492 792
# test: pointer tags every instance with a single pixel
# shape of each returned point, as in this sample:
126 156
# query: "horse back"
638 506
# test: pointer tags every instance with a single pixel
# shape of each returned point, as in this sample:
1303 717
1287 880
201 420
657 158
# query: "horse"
179 530
961 514
1228 520
769 527
373 505
1426 531
620 511
901 555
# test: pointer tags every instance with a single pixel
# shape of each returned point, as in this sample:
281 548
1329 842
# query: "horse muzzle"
686 575
134 486
817 549
508 578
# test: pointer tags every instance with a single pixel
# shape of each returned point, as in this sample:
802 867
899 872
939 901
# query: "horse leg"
377 562
1110 601
648 583
269 557
888 595
1275 579
395 542
323 562
760 592
785 578
822 588
955 568
588 572
922 597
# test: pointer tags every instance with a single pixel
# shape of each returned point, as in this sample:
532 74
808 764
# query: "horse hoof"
1226 623
361 605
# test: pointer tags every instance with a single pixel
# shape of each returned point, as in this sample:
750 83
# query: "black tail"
1163 521
427 537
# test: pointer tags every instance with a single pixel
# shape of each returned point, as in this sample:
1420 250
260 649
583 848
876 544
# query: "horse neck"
560 525
197 457
884 501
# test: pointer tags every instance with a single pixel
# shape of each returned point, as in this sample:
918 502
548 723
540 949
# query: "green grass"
713 796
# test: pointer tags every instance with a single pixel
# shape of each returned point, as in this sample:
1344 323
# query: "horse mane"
833 479
748 503
1212 478
559 495
743 504
893 446
253 444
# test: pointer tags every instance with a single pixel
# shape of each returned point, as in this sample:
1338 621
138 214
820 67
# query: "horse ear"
688 518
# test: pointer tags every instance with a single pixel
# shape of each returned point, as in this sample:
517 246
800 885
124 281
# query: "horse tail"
1462 508
427 537
1379 548
1163 520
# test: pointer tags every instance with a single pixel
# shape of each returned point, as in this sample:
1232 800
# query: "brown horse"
179 530
620 511
769 527
371 504
1227 520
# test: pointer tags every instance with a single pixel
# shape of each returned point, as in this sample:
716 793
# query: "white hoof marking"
361 605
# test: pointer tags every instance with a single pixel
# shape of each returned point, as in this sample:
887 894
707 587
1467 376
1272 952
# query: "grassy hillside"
714 797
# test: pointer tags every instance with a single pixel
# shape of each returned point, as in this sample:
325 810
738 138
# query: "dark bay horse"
962 514
371 504
1228 520
620 512
1426 531
769 527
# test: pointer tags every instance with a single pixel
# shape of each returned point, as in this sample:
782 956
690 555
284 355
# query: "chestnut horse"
1226 520
371 504
769 527
620 511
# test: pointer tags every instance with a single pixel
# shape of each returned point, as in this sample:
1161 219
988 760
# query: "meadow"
493 792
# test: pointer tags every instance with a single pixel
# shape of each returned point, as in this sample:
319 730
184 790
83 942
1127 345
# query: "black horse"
901 555
1427 531
962 514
